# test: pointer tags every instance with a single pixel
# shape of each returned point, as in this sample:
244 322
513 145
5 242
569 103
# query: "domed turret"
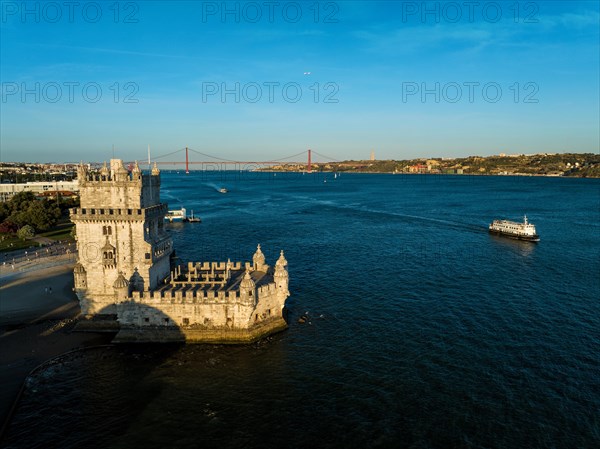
258 260
155 170
136 172
104 171
281 276
247 282
136 281
80 276
121 287
281 262
247 288
120 282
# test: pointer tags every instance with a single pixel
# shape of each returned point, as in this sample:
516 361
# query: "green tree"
26 232
19 218
21 201
5 211
25 209
42 215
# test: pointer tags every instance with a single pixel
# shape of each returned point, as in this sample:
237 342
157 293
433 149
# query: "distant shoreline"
527 175
579 165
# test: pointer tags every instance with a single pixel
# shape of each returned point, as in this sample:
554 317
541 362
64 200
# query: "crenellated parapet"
116 174
184 297
115 187
97 179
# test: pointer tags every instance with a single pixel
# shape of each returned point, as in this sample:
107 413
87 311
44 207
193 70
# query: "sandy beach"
39 292
37 308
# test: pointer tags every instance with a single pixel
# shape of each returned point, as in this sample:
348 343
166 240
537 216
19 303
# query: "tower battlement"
116 187
116 173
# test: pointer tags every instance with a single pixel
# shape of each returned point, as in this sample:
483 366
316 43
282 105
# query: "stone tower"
122 245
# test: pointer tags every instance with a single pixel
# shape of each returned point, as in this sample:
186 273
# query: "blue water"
425 331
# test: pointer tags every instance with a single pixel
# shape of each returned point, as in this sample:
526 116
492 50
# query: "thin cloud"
474 37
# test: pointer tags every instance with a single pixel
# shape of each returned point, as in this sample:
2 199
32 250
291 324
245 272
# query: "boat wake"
218 188
167 195
408 217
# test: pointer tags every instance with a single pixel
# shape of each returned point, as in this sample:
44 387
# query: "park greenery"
25 210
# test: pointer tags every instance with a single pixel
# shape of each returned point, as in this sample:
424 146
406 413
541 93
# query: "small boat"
515 230
223 190
193 219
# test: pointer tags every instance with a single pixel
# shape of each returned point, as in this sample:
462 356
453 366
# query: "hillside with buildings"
585 165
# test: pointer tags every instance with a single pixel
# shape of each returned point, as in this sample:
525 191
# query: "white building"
7 191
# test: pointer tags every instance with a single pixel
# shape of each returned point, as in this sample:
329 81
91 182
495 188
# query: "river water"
424 330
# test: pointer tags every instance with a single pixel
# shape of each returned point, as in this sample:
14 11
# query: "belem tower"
126 278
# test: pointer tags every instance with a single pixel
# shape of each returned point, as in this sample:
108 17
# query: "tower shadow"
145 324
110 381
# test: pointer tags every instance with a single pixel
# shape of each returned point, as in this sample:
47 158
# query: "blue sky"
78 79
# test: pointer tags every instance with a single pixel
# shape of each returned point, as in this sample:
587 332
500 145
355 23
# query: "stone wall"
224 335
208 308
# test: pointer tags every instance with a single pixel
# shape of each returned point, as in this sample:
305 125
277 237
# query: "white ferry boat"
176 215
520 231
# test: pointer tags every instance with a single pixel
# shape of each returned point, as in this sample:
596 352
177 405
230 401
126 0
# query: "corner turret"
104 171
248 288
80 276
136 173
121 287
258 260
136 281
281 276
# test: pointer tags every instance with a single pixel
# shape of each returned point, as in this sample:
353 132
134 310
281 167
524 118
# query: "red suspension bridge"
303 158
